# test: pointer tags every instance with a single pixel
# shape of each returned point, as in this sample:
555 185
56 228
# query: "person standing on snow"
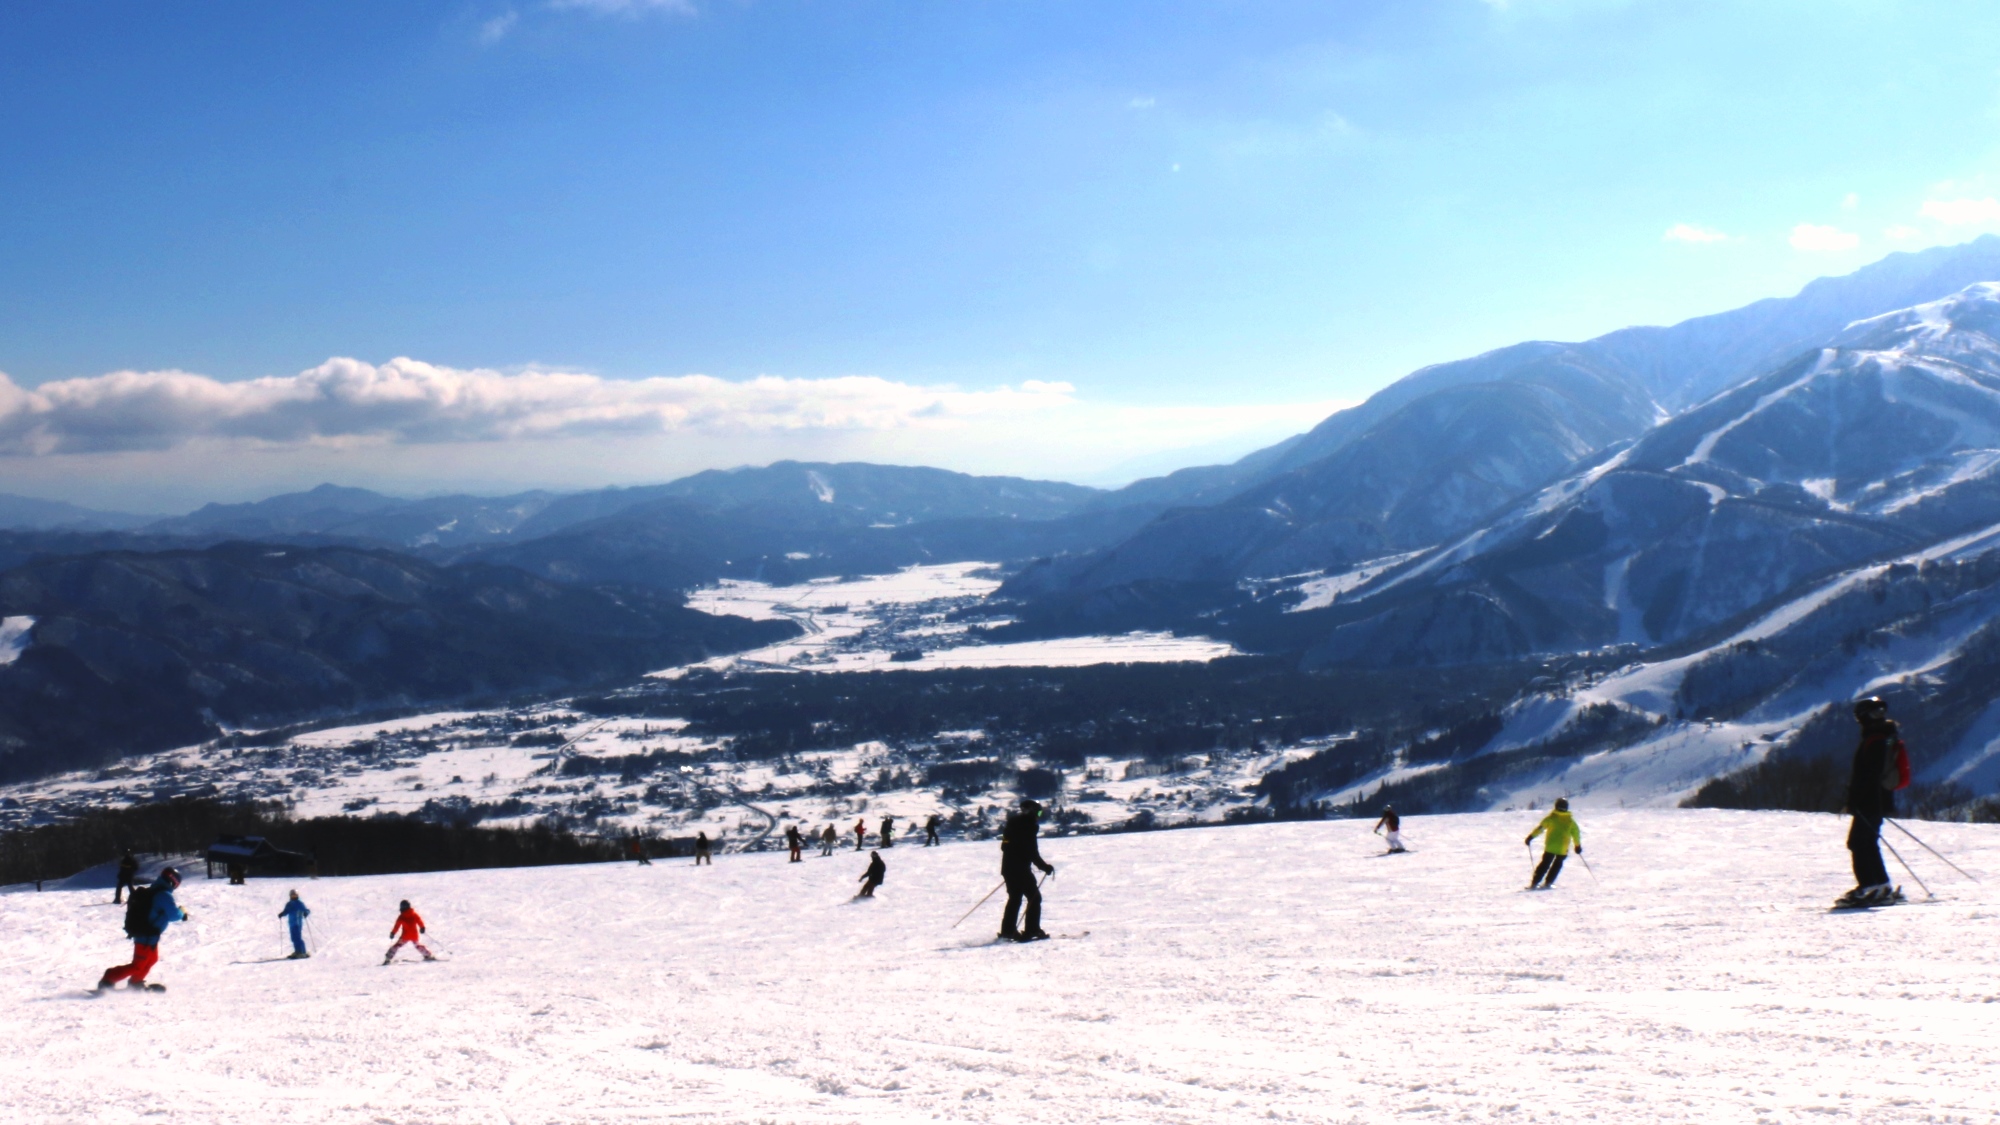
148 913
794 841
930 830
701 855
872 878
1394 824
128 876
1562 832
828 840
407 929
1880 763
638 851
294 914
888 831
1019 856
860 833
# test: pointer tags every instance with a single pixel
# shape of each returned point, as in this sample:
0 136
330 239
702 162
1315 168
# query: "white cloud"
1962 212
1902 233
1688 232
1850 201
404 401
1141 103
494 30
1806 236
169 441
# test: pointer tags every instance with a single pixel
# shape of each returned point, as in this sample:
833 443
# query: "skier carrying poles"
1881 766
1561 831
1019 856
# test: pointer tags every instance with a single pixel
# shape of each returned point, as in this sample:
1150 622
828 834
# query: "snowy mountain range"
1621 569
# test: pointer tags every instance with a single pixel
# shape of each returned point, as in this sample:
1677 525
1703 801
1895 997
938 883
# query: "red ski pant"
145 954
401 942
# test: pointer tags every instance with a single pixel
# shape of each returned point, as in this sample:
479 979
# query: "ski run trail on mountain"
1276 972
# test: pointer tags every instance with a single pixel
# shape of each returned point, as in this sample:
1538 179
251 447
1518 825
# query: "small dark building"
238 854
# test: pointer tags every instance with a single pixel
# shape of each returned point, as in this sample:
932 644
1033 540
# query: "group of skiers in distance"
1881 767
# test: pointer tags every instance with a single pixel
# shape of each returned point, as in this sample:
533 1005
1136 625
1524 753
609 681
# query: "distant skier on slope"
1881 766
873 877
930 830
148 913
794 841
828 840
637 849
1019 856
407 930
1394 825
294 914
128 876
860 833
701 850
888 831
1562 832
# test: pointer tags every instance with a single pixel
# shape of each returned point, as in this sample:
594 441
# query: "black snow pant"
1547 870
1864 839
930 837
1021 888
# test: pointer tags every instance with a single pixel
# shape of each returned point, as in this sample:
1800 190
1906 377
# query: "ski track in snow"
1701 980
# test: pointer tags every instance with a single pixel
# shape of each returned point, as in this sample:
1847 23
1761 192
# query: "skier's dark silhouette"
930 830
1871 799
794 841
1019 856
888 831
872 878
701 846
128 876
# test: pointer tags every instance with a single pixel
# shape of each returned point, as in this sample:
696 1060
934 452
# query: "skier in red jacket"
408 925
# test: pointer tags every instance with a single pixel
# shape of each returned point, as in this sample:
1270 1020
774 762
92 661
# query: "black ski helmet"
1562 804
1870 708
1029 804
172 876
404 905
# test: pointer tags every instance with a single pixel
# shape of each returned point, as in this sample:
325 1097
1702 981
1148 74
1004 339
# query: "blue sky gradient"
1187 205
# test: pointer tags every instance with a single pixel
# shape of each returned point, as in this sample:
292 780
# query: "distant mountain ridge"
1439 452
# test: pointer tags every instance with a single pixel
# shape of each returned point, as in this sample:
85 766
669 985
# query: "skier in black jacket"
1019 856
1871 798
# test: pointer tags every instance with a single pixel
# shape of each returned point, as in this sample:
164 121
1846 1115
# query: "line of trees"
340 845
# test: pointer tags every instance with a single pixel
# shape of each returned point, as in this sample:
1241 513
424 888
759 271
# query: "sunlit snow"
1278 972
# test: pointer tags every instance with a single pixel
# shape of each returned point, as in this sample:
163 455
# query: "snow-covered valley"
1281 972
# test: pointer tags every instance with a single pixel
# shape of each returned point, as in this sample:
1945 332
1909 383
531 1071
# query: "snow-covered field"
859 624
1278 972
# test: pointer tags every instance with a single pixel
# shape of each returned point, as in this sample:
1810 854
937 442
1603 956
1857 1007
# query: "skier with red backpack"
1881 766
148 913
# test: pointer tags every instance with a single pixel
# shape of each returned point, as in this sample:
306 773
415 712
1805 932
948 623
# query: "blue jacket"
295 911
165 910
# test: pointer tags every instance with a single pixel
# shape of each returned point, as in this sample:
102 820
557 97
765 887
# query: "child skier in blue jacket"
295 913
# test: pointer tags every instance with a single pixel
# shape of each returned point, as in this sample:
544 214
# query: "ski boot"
297 956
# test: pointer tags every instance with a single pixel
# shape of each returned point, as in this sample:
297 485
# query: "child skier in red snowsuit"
407 926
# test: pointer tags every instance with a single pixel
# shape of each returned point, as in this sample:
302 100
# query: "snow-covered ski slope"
1274 972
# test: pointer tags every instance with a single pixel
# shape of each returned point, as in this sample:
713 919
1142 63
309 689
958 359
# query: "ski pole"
1587 867
1908 868
1934 851
981 902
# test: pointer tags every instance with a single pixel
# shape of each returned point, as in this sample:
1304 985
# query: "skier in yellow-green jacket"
1562 832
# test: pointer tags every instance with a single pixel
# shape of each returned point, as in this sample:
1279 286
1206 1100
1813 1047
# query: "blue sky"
1093 239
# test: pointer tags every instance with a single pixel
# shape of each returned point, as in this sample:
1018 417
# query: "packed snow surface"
14 634
1284 972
